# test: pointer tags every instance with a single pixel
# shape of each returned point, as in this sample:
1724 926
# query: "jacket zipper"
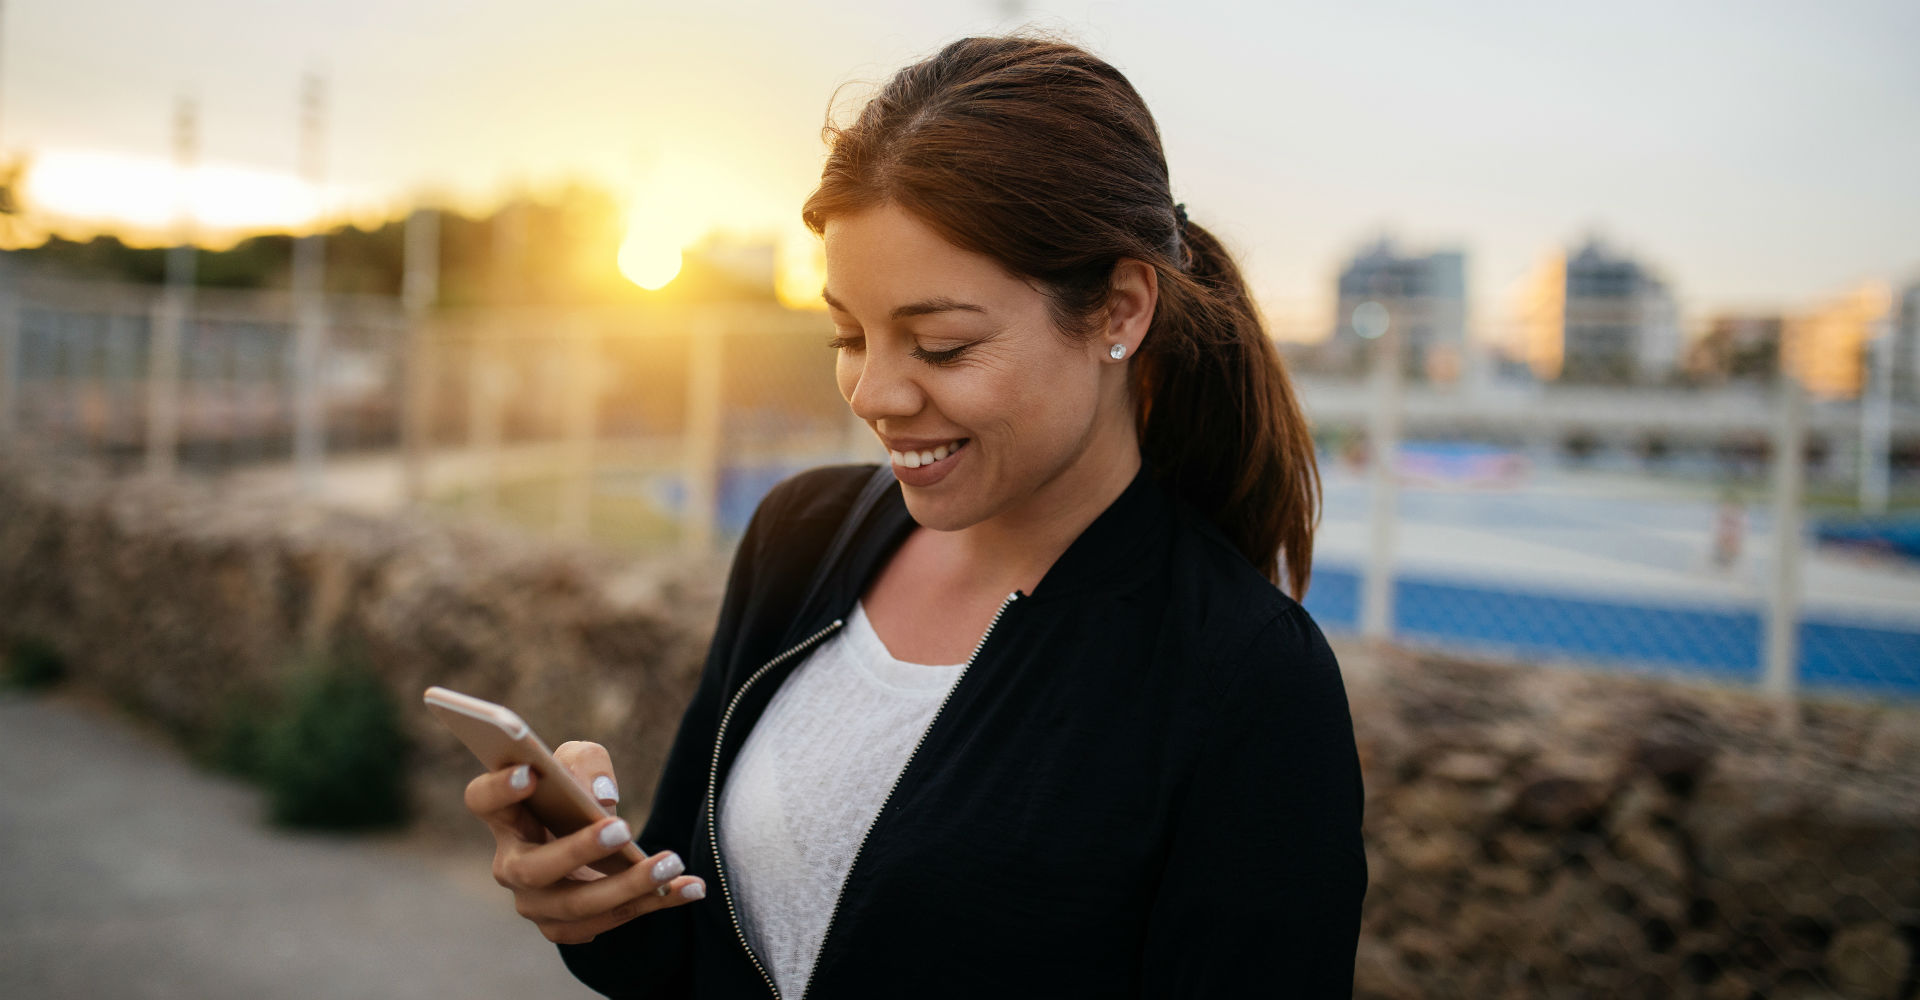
911 754
713 779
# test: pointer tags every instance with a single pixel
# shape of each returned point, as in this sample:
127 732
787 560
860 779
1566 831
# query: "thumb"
592 768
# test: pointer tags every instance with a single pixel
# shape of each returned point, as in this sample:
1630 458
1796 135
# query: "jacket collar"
1115 548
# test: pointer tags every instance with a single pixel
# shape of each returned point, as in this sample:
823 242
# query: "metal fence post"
486 387
1876 419
1783 590
1376 603
580 407
9 353
309 358
702 454
163 382
419 289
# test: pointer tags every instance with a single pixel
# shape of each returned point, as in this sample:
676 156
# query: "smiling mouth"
916 459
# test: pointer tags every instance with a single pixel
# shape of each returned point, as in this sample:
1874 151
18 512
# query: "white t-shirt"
809 781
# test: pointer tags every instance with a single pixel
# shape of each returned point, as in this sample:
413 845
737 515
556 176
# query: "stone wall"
181 603
1548 832
1532 832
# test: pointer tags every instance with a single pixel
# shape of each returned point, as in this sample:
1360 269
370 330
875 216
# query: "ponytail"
1038 154
1218 419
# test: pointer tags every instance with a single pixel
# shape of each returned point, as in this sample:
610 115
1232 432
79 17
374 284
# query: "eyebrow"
939 303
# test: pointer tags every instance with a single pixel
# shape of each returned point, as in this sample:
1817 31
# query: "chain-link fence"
1531 832
636 427
1724 799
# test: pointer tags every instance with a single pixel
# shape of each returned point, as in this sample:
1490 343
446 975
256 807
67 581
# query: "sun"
648 257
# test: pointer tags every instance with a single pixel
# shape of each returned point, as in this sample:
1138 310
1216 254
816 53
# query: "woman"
1022 713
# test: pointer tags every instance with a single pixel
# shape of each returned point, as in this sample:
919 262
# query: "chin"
936 513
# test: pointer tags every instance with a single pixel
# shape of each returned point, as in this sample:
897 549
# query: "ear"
1133 292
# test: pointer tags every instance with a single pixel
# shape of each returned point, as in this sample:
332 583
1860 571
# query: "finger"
590 765
536 867
498 799
642 882
579 912
490 795
683 890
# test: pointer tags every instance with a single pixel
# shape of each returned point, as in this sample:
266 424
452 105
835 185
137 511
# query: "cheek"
1031 403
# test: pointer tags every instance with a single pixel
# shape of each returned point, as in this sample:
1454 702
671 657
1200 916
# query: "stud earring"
1117 351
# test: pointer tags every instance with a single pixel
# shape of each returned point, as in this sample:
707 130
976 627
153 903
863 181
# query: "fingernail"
521 775
667 868
693 890
603 789
614 834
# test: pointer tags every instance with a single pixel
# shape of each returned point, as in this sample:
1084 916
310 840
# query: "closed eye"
945 357
843 342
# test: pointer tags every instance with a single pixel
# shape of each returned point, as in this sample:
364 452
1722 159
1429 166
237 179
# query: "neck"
1014 549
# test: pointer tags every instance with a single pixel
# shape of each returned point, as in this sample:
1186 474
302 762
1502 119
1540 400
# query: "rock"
1524 849
1502 880
1555 802
1655 852
1427 851
1380 974
1422 948
1469 768
1676 753
1869 960
1642 802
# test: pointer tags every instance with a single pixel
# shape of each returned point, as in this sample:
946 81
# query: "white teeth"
916 459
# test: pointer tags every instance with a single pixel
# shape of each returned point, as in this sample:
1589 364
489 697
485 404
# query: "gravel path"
125 872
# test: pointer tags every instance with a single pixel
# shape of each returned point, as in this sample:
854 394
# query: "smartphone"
499 738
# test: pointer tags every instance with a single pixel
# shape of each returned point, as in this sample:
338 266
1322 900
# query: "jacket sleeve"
652 956
1262 887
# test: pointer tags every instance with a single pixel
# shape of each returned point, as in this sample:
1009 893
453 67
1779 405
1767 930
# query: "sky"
1757 155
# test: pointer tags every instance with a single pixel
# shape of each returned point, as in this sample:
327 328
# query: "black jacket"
1143 785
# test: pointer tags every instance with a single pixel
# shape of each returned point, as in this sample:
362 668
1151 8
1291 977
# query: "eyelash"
936 358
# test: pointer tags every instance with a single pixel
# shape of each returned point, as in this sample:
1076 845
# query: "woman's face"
985 408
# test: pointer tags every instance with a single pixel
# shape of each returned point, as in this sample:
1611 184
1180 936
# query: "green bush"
34 664
331 754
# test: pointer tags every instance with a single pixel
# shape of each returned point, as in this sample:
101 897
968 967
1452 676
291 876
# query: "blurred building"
1600 318
1906 344
1826 347
1736 348
1425 298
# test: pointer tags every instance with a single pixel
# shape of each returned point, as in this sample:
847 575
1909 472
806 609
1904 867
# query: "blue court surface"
1708 641
1618 569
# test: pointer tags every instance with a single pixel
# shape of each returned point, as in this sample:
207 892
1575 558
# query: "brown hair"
1038 154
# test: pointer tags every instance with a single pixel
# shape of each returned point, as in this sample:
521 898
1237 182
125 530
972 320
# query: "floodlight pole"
309 304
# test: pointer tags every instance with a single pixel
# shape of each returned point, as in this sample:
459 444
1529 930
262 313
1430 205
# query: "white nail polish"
603 789
614 834
693 890
519 778
668 867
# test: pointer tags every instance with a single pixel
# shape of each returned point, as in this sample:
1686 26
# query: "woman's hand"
551 884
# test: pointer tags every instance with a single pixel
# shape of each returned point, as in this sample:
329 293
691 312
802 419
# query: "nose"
883 385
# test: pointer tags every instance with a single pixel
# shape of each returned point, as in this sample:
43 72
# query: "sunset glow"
149 193
649 257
